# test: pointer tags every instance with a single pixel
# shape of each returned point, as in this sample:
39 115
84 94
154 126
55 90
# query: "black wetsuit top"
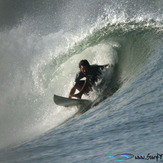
93 75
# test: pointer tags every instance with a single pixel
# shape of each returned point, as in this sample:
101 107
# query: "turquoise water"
41 45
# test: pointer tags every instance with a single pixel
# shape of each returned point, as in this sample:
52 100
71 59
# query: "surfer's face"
84 70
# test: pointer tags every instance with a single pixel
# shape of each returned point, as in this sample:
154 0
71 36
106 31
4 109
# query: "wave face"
42 43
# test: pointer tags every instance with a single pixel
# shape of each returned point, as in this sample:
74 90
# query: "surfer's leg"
79 86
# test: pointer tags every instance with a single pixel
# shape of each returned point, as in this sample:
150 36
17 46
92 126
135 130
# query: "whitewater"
42 43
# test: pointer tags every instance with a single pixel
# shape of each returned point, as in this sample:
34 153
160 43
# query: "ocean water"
42 43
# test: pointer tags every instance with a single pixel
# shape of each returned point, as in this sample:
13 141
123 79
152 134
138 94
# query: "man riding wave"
91 73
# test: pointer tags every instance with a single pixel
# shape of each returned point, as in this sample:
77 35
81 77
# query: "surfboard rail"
67 102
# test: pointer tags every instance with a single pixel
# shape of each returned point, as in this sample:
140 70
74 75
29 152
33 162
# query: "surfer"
91 73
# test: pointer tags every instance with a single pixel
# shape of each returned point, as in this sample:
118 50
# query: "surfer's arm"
105 66
83 90
73 89
79 75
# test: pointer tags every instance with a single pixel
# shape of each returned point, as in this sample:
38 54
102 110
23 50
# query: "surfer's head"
84 66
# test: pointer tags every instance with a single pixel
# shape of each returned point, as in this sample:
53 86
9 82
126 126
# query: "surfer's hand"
78 95
70 96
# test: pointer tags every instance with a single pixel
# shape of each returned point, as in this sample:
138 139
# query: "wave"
128 44
34 65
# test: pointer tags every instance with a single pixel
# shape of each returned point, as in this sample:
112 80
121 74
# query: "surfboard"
68 102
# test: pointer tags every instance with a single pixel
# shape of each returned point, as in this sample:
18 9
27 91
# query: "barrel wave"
42 43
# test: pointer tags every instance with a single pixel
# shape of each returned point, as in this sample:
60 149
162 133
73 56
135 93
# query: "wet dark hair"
84 63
